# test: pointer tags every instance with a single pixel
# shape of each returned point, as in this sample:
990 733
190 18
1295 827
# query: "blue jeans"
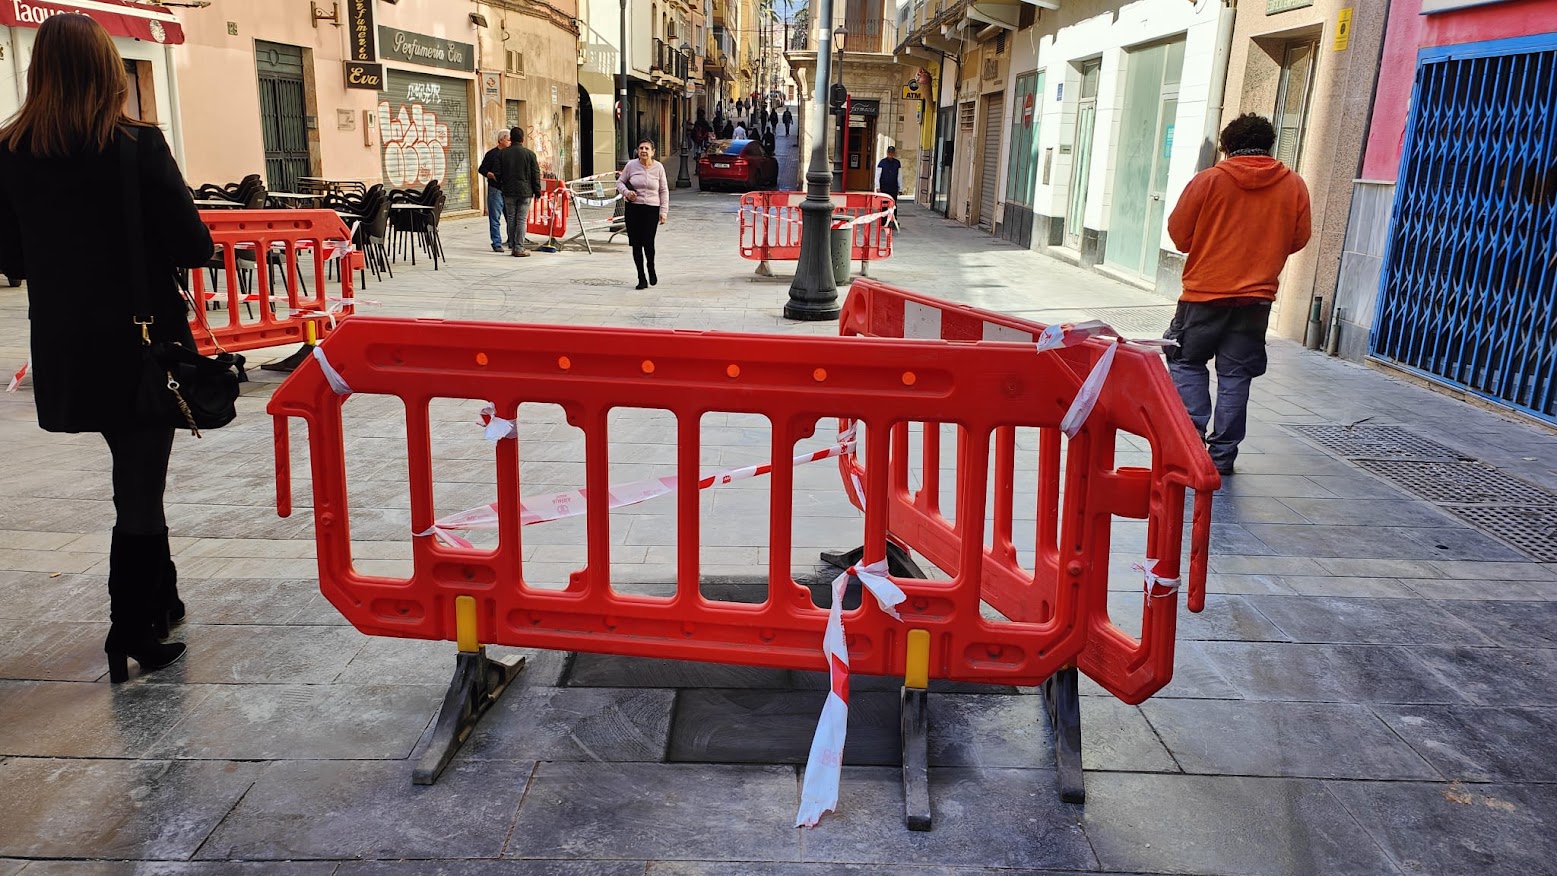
1235 337
495 215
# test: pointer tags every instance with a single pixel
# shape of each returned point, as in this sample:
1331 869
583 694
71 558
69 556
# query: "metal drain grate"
1458 483
597 281
1149 321
1375 442
1530 530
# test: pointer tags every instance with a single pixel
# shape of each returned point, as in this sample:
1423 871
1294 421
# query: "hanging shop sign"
366 76
359 19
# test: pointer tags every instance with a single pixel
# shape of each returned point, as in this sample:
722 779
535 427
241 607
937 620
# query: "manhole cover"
1148 321
597 281
1530 530
1460 483
1374 442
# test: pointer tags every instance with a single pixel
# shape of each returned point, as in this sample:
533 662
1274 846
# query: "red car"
742 163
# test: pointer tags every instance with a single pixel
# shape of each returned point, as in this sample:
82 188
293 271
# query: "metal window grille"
1469 289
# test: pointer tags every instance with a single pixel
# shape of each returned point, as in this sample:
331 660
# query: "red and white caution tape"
1063 335
1153 581
572 503
824 765
16 379
1086 397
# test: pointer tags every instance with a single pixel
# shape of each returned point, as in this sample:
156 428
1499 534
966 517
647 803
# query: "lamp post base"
809 311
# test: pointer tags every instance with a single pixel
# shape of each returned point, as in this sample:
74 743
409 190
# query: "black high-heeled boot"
137 564
170 611
653 277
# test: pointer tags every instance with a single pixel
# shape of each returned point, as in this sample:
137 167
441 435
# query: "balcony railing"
668 60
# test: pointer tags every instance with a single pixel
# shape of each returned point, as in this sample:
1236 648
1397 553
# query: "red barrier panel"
549 213
770 225
591 372
1138 404
299 244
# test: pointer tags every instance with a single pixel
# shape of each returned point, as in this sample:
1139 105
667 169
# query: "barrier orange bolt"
481 358
819 375
733 371
564 362
909 379
648 366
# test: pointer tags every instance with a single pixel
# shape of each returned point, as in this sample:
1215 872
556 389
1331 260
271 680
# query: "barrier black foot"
899 563
290 363
916 758
478 682
1061 696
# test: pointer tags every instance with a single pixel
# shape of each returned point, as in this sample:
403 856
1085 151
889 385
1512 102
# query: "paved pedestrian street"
1371 689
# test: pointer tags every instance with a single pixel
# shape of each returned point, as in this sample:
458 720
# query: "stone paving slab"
1458 829
343 810
116 809
970 806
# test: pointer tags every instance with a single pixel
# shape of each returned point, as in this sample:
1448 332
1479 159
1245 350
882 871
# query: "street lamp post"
682 179
813 295
843 118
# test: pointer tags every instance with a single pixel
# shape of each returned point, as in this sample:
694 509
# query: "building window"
1292 94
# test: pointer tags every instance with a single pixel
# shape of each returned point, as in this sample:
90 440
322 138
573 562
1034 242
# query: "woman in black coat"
63 227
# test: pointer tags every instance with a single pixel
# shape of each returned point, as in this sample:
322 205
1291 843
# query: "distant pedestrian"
520 174
1237 221
788 120
740 132
769 143
728 132
490 169
642 182
888 179
773 119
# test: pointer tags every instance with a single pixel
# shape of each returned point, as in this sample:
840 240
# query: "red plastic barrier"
770 225
549 213
983 388
1072 541
298 244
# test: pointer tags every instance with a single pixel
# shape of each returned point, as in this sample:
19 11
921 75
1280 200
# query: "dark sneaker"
497 247
1224 468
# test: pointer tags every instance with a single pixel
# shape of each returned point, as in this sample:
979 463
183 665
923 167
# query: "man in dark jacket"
520 174
489 169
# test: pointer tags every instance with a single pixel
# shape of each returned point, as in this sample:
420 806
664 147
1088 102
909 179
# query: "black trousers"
643 222
140 477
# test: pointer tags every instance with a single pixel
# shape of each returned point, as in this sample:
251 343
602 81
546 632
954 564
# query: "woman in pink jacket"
642 182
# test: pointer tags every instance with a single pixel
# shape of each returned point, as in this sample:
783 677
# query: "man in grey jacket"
520 174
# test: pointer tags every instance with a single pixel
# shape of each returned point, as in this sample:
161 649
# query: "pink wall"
1409 31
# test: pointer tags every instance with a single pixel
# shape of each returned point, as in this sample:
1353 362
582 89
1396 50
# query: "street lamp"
682 179
813 295
843 114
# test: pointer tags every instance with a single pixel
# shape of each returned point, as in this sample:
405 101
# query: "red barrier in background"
590 372
299 244
1072 535
770 225
549 212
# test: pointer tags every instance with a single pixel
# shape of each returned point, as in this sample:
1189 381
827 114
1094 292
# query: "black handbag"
178 387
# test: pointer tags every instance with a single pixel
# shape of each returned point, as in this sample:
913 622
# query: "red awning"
124 18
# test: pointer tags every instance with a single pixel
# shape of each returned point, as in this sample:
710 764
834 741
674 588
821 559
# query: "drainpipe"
175 116
1217 94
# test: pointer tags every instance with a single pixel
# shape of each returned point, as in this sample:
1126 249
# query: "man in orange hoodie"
1237 221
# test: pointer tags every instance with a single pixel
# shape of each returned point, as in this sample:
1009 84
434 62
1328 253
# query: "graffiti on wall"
420 143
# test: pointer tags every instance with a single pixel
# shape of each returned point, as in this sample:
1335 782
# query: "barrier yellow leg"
465 624
915 701
310 333
917 674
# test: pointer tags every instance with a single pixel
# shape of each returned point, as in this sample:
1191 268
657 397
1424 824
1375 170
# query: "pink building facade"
1446 270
